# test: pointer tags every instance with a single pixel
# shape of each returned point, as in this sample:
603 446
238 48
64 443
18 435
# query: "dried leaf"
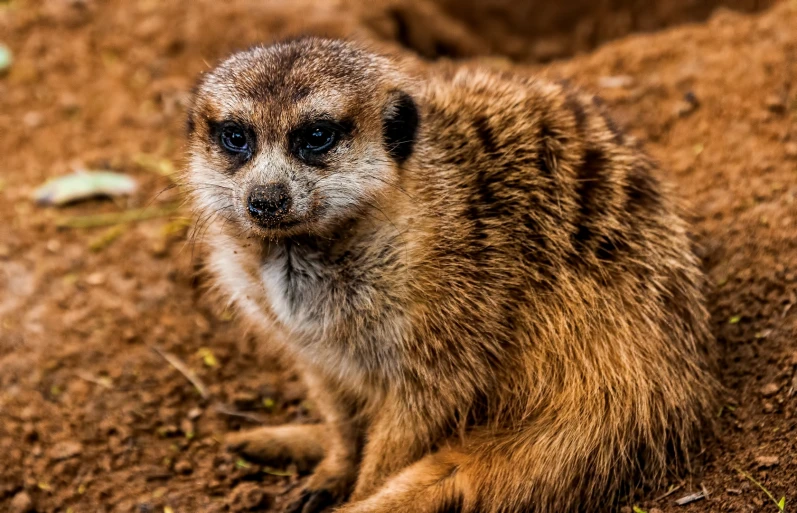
6 58
83 185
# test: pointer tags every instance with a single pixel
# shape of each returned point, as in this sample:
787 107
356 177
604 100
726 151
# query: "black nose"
269 202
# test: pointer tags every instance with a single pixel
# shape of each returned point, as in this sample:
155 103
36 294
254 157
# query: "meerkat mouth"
280 231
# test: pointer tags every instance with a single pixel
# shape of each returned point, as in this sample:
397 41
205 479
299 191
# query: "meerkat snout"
269 204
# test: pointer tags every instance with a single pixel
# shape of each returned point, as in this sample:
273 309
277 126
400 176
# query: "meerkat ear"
400 125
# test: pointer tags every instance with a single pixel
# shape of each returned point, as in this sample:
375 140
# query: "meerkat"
486 285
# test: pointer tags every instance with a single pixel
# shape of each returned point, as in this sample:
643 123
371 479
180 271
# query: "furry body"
495 303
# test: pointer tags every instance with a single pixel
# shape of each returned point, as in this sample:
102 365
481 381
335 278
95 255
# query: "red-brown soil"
93 419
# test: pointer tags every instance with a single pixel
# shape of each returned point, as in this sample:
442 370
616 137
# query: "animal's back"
564 286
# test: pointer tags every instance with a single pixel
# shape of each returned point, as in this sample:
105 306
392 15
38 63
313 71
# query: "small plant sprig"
781 504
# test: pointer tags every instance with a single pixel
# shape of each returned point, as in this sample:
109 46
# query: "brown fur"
510 319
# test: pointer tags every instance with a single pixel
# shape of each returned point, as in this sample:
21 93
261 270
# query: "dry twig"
184 370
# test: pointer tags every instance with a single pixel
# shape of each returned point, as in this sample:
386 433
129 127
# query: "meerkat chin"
487 286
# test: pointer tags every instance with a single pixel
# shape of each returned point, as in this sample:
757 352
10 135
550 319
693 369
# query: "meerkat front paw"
279 446
312 501
329 486
303 446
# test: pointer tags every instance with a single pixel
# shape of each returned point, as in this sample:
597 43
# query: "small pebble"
53 246
684 108
168 430
246 399
32 119
768 407
29 432
767 461
183 467
790 149
66 450
97 278
187 427
776 104
21 503
770 389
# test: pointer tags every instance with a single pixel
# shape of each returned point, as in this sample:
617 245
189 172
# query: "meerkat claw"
313 501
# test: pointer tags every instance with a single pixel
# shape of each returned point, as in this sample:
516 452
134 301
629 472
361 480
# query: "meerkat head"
298 137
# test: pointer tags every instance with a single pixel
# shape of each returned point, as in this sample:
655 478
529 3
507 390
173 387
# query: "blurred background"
119 375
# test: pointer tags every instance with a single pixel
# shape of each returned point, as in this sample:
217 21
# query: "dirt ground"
93 418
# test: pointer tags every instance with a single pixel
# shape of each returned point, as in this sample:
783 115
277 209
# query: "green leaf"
276 472
781 504
735 319
637 509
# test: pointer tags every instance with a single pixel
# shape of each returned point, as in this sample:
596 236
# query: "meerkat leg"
534 469
335 474
395 440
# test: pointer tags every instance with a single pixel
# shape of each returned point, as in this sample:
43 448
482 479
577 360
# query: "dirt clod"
770 389
66 450
767 461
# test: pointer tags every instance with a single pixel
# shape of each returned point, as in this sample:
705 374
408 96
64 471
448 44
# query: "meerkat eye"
315 140
319 138
234 138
